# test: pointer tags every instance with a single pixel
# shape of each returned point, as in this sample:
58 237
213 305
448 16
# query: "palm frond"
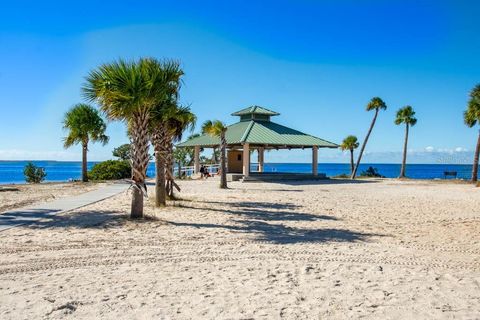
472 115
213 128
376 104
349 143
123 88
406 115
84 123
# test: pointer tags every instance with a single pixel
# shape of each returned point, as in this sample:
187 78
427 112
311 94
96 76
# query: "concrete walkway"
31 214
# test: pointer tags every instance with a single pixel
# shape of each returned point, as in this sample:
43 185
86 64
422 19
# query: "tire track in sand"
157 256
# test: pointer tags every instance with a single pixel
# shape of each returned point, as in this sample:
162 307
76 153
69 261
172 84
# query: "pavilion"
255 131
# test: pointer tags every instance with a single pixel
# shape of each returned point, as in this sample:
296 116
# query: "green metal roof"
261 133
255 110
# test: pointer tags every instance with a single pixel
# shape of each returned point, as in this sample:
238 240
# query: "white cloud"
458 155
444 150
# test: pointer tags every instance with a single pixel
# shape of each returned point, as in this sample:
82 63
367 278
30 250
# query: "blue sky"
316 62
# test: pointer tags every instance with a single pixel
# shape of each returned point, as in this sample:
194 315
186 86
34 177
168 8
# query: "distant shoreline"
303 163
11 172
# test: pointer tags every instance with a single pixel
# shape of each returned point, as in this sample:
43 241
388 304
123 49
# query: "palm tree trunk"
170 169
404 160
352 165
157 139
160 194
84 161
223 160
140 158
354 173
475 160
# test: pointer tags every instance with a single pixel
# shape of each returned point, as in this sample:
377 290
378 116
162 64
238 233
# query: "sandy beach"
382 249
14 196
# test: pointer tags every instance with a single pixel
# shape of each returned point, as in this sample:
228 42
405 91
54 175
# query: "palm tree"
218 129
158 136
168 124
405 115
162 112
182 120
350 143
472 117
84 124
128 91
376 104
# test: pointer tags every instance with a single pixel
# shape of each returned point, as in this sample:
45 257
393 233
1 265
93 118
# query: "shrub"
342 176
111 170
371 172
122 152
34 174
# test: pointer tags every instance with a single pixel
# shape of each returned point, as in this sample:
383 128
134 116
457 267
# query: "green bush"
123 152
371 172
34 174
111 170
342 176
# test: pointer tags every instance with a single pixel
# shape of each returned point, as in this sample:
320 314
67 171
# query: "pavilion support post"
196 160
315 160
261 159
246 159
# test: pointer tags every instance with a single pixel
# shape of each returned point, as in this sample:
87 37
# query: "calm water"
414 171
12 171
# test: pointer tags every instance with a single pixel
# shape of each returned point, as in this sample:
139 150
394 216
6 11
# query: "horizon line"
309 163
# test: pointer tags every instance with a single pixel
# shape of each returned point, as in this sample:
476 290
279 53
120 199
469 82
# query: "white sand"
15 196
382 250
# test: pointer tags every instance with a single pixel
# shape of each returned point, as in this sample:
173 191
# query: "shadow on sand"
43 218
281 234
331 181
262 211
264 221
258 218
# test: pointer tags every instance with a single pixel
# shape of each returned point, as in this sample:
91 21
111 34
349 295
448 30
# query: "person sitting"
206 173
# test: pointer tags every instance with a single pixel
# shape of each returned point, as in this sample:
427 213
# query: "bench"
450 174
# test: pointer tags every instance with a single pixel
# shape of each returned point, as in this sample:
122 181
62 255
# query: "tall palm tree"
218 129
350 143
472 117
376 104
84 124
405 115
128 91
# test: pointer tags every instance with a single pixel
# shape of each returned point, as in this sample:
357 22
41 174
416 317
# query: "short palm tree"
84 125
128 91
405 115
183 120
162 112
350 143
376 104
158 135
218 129
472 117
167 125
